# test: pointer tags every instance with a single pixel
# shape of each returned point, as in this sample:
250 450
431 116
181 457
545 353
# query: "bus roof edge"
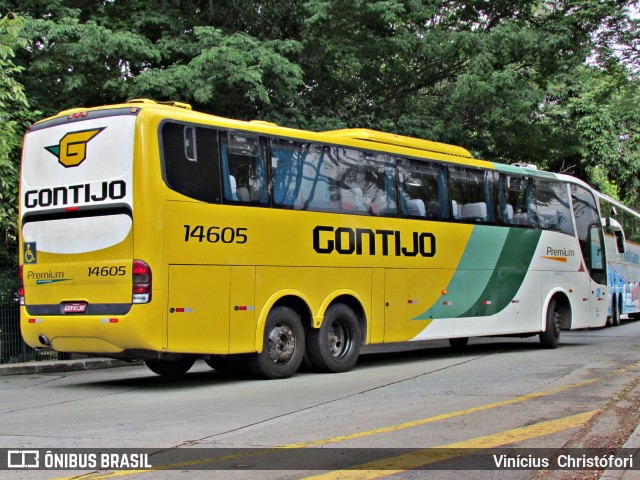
400 140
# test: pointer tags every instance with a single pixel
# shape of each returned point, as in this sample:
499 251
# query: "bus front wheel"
171 369
335 346
550 338
282 347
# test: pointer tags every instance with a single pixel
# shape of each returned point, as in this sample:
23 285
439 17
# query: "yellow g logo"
72 149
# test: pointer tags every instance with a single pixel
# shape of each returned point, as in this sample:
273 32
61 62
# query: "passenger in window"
431 201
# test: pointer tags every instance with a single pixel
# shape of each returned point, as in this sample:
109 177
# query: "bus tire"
335 346
458 343
282 347
615 313
231 364
172 369
550 338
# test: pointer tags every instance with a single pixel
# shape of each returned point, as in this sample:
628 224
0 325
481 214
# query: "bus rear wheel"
282 347
335 346
615 313
172 369
550 338
458 343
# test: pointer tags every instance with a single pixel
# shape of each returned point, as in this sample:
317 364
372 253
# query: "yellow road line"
437 418
420 458
342 438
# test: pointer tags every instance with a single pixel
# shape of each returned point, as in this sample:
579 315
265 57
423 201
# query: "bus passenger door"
198 309
591 240
598 271
395 304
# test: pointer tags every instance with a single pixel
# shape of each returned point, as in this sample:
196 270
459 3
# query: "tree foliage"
548 82
14 114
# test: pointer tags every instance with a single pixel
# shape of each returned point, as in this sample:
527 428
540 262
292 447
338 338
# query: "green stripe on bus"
489 275
473 273
510 271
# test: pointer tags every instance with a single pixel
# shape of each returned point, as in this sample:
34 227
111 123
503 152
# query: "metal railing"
12 347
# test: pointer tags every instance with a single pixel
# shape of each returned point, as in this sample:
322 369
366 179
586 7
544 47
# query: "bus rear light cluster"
20 285
141 282
71 116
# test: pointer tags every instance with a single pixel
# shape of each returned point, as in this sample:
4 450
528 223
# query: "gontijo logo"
72 149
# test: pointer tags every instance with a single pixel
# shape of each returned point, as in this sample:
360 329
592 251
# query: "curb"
615 427
633 442
60 366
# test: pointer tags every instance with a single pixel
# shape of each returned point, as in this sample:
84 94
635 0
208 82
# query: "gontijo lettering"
350 241
73 194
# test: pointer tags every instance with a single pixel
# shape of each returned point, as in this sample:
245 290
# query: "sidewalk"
632 442
59 366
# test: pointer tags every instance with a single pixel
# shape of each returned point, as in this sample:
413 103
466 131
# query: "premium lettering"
44 275
560 252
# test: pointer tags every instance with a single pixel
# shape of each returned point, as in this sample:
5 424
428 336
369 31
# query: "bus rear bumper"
93 334
84 345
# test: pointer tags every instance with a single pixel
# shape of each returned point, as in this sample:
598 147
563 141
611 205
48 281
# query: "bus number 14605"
215 234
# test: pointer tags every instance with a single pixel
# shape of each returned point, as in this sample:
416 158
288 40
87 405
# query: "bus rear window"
78 234
190 159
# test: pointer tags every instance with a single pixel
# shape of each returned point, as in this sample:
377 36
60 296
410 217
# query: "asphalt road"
497 393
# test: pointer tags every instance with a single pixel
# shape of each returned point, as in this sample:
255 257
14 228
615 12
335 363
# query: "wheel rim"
282 343
339 339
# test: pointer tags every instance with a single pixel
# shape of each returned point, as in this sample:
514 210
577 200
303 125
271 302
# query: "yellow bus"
151 231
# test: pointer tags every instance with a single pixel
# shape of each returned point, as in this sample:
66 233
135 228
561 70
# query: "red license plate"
74 307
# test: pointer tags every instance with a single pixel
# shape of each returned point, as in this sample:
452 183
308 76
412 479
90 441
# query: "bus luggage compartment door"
198 309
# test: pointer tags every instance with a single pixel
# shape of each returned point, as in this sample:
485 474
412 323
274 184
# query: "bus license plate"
74 307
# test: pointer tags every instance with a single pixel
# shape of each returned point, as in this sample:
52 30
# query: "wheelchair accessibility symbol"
30 252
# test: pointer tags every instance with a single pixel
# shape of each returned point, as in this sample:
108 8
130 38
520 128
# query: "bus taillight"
141 282
20 285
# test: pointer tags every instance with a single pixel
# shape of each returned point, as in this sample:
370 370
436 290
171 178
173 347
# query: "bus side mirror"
618 233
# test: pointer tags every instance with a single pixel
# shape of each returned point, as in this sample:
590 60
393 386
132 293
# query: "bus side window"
367 182
473 192
243 168
305 175
516 201
190 162
505 209
552 206
423 189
